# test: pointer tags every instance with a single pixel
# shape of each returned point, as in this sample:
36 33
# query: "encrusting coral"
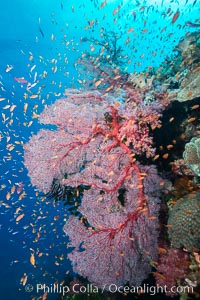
184 222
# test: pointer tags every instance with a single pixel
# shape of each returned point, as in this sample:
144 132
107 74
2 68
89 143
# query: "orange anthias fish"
32 260
103 4
19 217
175 17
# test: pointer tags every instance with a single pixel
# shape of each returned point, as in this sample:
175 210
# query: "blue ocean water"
40 42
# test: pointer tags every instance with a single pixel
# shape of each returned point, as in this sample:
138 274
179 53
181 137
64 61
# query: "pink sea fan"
88 129
122 240
52 153
95 145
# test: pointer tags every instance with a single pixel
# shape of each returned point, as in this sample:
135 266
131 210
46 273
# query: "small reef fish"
41 31
9 68
193 25
175 17
20 187
19 217
32 260
24 279
33 67
20 80
103 4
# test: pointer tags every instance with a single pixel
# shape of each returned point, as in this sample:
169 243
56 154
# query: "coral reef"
190 86
98 156
181 74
